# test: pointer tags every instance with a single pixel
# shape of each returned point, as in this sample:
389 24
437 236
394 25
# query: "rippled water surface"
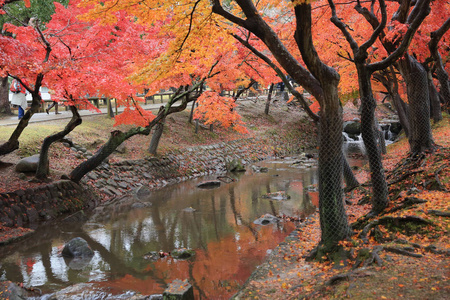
216 223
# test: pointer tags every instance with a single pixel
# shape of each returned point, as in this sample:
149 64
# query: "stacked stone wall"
31 206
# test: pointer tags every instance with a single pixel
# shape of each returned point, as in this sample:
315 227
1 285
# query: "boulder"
235 165
258 169
182 253
209 184
142 192
179 290
28 164
266 220
352 127
77 247
395 128
10 290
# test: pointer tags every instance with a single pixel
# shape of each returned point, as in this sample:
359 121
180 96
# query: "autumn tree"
368 102
18 13
412 71
198 29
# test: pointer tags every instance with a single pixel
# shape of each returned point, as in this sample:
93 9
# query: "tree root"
438 213
390 220
361 272
438 181
409 201
401 251
404 176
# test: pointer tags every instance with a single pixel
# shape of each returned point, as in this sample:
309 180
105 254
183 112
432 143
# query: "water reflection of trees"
220 230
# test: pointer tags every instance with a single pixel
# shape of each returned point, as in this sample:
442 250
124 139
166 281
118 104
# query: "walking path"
63 114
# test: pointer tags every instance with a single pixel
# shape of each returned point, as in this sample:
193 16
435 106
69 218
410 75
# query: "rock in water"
77 247
179 290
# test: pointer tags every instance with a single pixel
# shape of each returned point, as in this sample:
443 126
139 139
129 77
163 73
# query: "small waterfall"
353 144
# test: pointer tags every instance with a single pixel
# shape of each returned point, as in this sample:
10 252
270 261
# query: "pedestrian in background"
19 97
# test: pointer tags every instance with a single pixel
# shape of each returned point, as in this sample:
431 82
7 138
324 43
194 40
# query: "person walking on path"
19 97
55 104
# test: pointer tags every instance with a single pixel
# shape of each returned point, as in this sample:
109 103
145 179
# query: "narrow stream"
216 223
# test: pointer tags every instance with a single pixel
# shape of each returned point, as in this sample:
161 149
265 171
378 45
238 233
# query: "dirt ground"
286 274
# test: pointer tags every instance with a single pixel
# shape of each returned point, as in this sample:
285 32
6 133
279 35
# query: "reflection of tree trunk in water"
223 210
118 268
213 204
254 199
160 229
201 243
11 271
268 187
45 258
173 228
193 282
237 215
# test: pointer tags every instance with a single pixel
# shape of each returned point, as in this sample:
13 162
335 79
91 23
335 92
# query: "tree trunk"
350 180
5 107
269 99
413 72
403 112
13 142
435 103
109 108
368 105
191 115
116 138
333 220
43 165
156 137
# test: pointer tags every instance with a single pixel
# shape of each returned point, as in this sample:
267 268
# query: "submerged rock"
266 220
182 253
281 195
77 247
209 184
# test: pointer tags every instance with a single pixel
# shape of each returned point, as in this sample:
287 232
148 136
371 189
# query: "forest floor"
403 253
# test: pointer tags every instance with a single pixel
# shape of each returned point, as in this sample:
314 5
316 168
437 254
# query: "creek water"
218 224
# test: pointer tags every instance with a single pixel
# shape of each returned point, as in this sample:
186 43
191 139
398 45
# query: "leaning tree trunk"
116 138
414 73
269 98
13 142
350 180
156 137
5 107
43 165
368 105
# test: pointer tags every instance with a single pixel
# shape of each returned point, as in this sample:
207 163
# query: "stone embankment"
29 207
117 179
47 202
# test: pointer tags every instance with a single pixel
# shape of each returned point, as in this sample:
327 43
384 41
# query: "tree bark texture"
13 141
416 78
156 137
350 180
43 165
269 99
5 107
368 105
435 103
